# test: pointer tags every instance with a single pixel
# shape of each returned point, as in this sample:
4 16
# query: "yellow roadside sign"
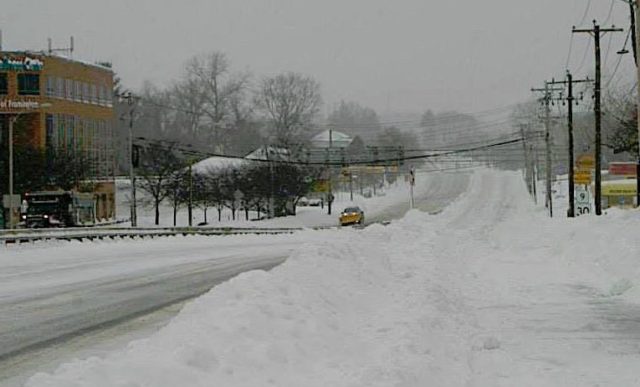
619 189
582 176
586 161
375 169
320 186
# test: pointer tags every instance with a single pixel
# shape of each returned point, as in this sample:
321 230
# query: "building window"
70 138
51 86
86 93
28 84
68 89
61 134
59 87
78 91
94 94
102 100
4 84
109 94
51 132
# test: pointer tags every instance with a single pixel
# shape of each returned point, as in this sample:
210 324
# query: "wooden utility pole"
534 173
636 50
547 142
570 99
525 155
597 33
330 196
546 100
190 203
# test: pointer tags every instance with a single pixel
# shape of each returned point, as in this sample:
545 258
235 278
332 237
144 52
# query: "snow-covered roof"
269 153
216 163
331 137
219 162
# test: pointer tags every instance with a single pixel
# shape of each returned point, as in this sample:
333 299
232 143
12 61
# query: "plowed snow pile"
489 293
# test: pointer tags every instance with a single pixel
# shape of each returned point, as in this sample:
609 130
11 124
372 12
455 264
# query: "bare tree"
621 107
290 101
188 98
354 119
221 91
158 165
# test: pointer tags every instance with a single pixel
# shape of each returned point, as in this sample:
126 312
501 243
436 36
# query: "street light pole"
12 119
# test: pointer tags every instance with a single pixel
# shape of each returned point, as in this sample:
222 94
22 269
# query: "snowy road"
54 291
48 292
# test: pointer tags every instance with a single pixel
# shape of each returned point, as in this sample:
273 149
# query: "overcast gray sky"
400 56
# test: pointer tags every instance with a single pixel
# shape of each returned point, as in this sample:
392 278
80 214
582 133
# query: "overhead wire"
187 148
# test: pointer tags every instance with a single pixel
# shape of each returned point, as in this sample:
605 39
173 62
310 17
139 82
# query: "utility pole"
12 120
190 204
412 183
132 177
330 196
525 154
546 100
635 14
572 187
569 83
272 202
597 33
636 50
534 173
547 141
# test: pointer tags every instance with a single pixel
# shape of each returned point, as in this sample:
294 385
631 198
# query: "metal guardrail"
92 233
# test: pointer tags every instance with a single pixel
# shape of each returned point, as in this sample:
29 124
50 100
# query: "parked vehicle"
351 215
315 202
59 209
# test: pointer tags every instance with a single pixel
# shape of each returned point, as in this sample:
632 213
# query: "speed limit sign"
583 201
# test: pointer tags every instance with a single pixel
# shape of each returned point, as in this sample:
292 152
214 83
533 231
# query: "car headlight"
46 216
24 216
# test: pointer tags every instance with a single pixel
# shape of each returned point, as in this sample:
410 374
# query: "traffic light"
135 156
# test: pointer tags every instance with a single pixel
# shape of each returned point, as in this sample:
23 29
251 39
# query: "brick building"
63 104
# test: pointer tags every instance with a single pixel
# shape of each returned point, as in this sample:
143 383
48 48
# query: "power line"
586 12
356 162
613 2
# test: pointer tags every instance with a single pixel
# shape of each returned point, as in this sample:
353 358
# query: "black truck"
58 209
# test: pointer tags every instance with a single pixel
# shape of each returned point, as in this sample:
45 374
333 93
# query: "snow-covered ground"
490 292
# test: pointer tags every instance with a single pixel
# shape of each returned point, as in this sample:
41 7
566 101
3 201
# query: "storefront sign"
20 63
619 189
622 169
19 105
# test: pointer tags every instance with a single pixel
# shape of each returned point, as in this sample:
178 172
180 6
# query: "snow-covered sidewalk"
488 293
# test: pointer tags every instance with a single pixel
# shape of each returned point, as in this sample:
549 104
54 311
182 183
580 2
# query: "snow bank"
489 292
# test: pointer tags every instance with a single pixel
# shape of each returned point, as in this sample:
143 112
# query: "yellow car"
351 215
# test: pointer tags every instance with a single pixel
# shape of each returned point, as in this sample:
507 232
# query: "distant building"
331 138
64 104
269 153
